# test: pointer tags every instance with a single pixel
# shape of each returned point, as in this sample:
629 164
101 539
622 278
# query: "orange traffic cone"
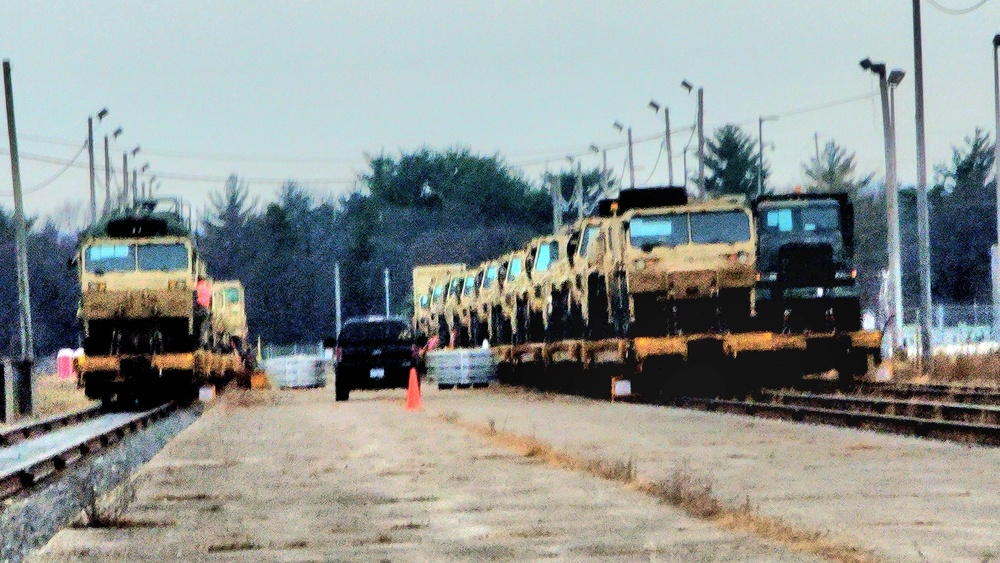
413 401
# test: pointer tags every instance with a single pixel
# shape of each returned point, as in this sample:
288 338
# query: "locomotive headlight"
743 257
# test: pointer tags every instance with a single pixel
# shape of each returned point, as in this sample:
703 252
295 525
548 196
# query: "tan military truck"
516 288
689 268
229 317
426 279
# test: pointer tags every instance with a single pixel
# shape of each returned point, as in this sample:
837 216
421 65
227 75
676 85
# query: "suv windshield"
720 227
368 331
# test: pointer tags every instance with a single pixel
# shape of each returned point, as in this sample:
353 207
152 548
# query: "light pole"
891 194
145 167
107 170
604 168
90 153
577 185
995 262
666 137
760 137
631 163
134 152
701 134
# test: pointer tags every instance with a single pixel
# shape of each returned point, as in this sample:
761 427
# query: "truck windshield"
825 217
470 286
647 231
515 269
589 234
712 227
162 257
110 258
547 254
438 292
375 331
491 276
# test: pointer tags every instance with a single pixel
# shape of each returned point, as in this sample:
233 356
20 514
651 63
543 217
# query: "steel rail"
26 430
966 412
29 472
933 392
965 432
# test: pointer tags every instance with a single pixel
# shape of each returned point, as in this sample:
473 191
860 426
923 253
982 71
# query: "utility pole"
23 375
701 141
631 161
387 292
578 191
760 138
336 295
604 172
135 192
107 177
555 186
123 196
923 221
996 178
666 140
90 153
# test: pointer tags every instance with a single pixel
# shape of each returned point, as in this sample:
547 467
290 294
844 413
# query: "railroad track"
966 421
932 392
24 431
39 454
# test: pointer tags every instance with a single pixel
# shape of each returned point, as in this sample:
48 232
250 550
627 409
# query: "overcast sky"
304 90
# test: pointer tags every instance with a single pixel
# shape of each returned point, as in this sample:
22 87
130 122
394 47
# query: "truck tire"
342 390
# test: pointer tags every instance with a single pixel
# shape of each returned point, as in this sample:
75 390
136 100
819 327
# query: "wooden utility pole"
90 154
23 373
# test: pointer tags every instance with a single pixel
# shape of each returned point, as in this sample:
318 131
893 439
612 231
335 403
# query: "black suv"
372 353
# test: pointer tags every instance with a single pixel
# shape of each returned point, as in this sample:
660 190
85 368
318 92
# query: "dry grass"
683 488
55 396
969 369
236 397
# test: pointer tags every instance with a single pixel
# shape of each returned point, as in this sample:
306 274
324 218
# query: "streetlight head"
144 168
866 63
687 85
896 76
117 133
617 125
655 106
996 41
569 157
594 148
135 151
102 114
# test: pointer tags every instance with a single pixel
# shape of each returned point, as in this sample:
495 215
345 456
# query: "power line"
957 11
53 178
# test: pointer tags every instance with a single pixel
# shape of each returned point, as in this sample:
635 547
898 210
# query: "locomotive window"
715 227
515 269
120 258
492 273
658 230
162 257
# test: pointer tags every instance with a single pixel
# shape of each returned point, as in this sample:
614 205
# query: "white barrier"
471 366
296 371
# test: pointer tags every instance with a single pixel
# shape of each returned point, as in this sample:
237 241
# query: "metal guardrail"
29 472
966 432
26 430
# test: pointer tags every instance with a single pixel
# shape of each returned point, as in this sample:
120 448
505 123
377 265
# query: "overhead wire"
41 185
957 11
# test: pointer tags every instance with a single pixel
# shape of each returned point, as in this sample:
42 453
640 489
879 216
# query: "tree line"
428 206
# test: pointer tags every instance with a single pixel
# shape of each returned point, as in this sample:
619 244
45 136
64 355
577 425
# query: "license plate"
377 373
